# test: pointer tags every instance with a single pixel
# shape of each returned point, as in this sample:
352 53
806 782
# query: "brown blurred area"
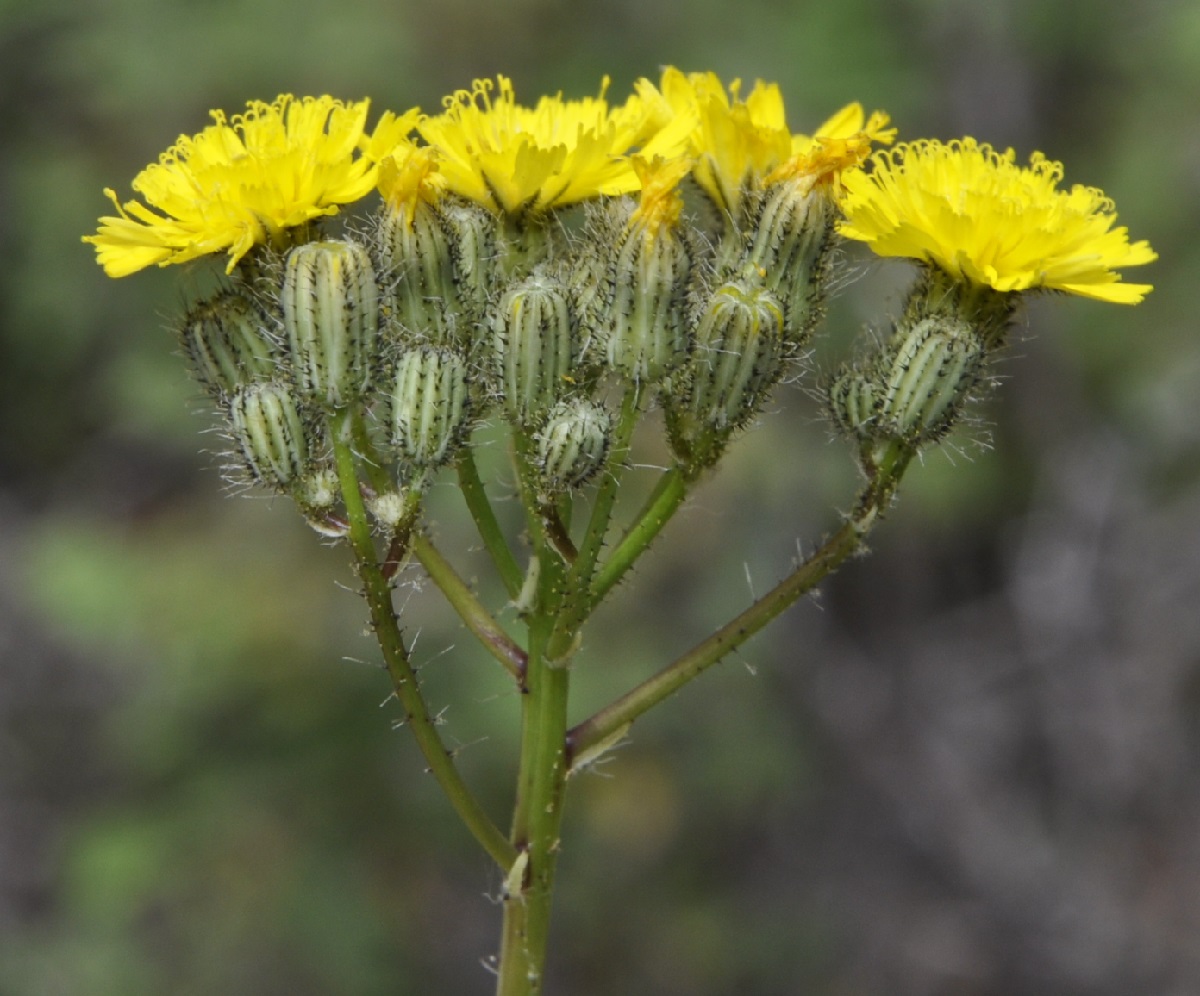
970 766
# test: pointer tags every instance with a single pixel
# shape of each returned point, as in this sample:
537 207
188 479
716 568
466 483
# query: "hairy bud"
789 243
269 432
738 359
915 389
639 308
227 343
533 332
331 316
573 443
428 406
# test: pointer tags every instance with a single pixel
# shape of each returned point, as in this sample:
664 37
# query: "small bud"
474 248
319 488
228 344
390 509
533 331
738 359
790 237
852 403
642 321
933 367
573 443
421 271
331 314
270 433
427 407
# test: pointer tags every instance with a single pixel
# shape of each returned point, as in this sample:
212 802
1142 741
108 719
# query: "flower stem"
662 504
378 593
486 523
477 619
620 714
537 815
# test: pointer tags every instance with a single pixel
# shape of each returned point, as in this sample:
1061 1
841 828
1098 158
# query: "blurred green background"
970 767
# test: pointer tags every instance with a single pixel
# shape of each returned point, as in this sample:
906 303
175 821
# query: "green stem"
478 620
615 718
486 522
378 594
577 605
662 504
537 815
537 821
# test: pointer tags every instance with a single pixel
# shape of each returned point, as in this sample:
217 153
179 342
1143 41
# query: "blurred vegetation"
974 771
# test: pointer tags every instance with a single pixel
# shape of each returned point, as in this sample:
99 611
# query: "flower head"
516 159
731 138
239 183
975 214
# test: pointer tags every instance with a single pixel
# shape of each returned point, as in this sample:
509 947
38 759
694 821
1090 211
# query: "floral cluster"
522 260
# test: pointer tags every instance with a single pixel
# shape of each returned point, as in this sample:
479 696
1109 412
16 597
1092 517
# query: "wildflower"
978 217
514 159
239 183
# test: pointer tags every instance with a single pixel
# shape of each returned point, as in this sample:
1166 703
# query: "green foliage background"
972 770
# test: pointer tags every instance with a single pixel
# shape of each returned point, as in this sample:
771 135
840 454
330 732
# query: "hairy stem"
378 593
619 715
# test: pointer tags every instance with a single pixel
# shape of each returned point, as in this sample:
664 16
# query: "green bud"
789 242
269 432
421 271
640 317
933 367
427 407
331 315
533 330
573 443
227 343
851 399
738 359
913 390
474 247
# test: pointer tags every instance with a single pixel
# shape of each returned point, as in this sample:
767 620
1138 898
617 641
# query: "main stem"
542 773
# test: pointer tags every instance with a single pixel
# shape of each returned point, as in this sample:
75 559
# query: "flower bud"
331 315
933 367
853 403
474 249
641 321
790 237
573 443
227 343
427 407
738 359
421 272
270 433
533 329
914 389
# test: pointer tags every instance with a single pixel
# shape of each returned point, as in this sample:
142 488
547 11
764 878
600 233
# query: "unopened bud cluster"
444 315
912 389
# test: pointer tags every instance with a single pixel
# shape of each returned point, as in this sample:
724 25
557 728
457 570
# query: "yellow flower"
239 183
518 160
840 144
981 218
733 140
